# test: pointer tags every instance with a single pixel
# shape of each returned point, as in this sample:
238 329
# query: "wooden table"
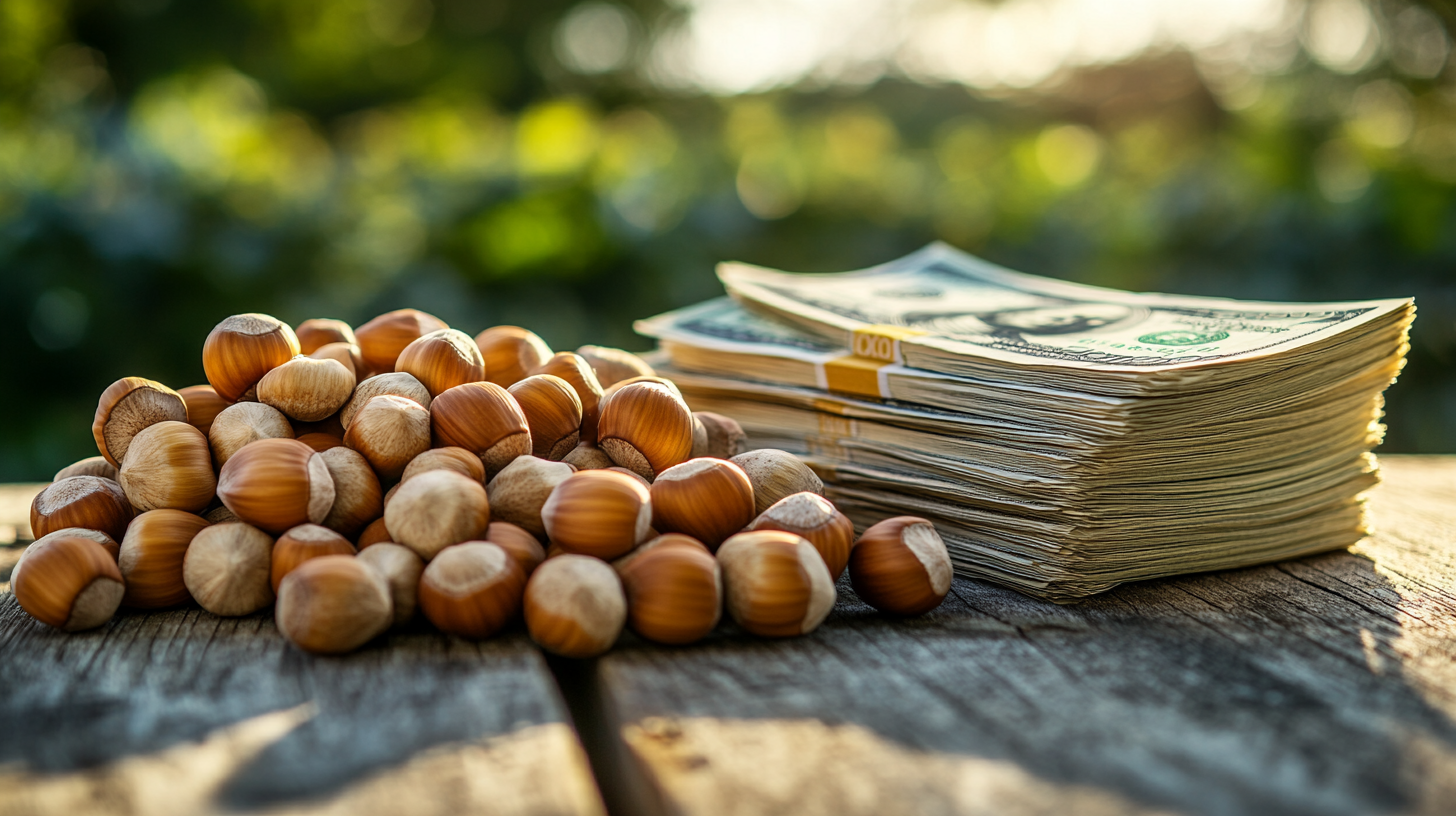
1320 686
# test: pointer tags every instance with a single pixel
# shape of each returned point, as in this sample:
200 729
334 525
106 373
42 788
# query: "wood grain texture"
1320 686
184 712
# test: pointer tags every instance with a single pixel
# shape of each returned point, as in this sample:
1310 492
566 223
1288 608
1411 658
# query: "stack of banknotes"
1063 438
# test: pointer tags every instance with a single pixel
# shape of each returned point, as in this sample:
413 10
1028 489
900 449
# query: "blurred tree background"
571 166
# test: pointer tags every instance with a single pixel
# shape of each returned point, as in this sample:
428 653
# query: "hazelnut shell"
553 413
775 583
674 593
242 348
226 569
510 353
436 509
168 466
598 513
129 406
277 484
900 566
708 499
575 606
304 543
382 339
333 605
818 521
442 360
81 501
70 582
472 590
152 556
484 419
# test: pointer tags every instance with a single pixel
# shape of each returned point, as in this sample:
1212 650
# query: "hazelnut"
575 606
277 484
107 543
459 460
304 543
220 515
776 474
510 353
375 533
226 569
333 605
442 360
578 373
80 501
597 513
398 384
323 441
521 545
776 583
315 333
358 497
472 589
242 348
168 466
129 406
401 570
613 365
69 582
93 466
307 389
646 428
484 419
900 566
717 436
553 412
389 431
345 354
708 499
609 390
817 521
382 339
518 492
242 423
674 593
203 405
664 540
152 555
587 456
436 509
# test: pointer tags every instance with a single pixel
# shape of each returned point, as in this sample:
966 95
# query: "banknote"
943 310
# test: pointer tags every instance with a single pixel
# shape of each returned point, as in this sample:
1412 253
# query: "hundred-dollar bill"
944 311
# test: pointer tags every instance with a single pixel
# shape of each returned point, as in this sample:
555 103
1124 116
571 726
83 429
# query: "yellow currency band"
881 342
854 375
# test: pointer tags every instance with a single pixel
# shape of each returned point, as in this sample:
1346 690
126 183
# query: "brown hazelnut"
401 570
203 405
358 497
717 436
375 533
459 460
900 566
598 513
575 606
93 466
575 370
70 583
277 484
436 509
107 543
307 389
518 492
151 557
345 354
226 569
80 501
129 406
472 589
389 431
521 545
484 419
398 384
242 423
674 593
815 519
553 412
613 365
612 389
315 333
242 348
304 543
776 583
168 466
333 605
708 499
664 540
510 353
588 457
442 360
646 428
776 474
383 338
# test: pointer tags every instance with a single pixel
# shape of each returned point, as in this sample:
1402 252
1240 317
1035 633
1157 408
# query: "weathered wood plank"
184 712
1321 686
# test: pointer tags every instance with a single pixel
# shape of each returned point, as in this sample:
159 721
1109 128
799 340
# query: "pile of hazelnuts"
352 478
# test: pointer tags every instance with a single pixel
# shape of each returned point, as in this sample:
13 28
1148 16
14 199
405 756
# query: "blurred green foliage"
165 164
